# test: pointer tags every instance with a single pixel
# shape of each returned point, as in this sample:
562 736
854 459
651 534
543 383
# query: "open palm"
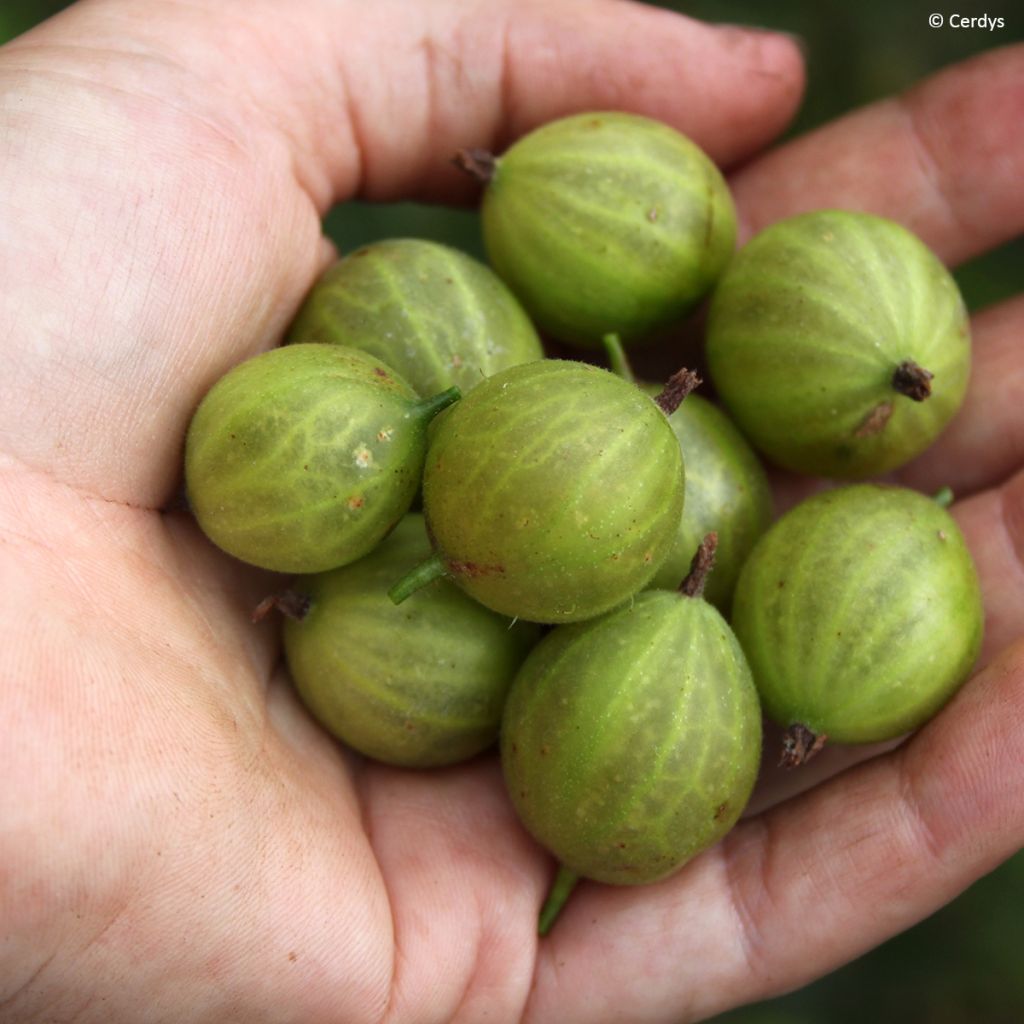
178 841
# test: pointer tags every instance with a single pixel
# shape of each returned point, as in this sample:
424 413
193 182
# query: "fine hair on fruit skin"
552 492
303 458
605 221
432 313
839 343
418 686
860 613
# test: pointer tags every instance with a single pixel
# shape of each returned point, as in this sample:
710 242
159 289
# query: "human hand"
179 841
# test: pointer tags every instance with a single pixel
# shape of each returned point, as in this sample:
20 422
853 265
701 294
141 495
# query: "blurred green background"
963 965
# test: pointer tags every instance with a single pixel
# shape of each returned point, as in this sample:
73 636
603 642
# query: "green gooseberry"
860 613
552 492
434 314
418 686
605 222
727 490
630 743
839 343
303 458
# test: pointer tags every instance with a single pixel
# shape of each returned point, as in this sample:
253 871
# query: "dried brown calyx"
912 380
701 566
799 745
676 388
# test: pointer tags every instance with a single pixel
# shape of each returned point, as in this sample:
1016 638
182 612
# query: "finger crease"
505 78
928 163
356 129
915 813
749 891
1011 513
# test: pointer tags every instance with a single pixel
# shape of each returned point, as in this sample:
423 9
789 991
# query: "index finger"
945 159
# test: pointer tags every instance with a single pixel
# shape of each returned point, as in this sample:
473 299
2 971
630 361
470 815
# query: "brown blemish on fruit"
356 501
383 374
875 420
652 214
721 810
799 745
912 380
385 434
942 534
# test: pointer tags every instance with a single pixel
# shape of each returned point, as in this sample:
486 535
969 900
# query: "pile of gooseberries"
484 544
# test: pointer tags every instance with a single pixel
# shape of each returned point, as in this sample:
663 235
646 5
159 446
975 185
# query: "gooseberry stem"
426 572
677 387
561 888
428 408
701 566
617 357
943 497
